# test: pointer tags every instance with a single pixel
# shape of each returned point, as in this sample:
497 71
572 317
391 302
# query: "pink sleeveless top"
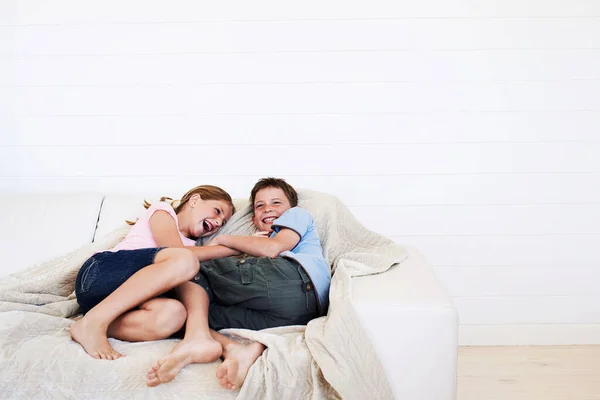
140 235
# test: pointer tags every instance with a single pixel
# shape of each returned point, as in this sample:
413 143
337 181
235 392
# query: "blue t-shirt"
308 252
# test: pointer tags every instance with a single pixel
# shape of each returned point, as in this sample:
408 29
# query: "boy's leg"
258 293
261 293
155 319
246 285
171 267
225 273
238 357
197 346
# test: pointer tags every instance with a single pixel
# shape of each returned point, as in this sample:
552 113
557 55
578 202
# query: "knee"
170 318
186 263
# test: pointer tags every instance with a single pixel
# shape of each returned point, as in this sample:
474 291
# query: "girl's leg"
154 320
171 267
197 346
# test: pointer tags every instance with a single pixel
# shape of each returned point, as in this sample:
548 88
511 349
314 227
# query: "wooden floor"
529 373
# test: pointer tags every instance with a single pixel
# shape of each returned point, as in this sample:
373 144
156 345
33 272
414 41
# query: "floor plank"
529 373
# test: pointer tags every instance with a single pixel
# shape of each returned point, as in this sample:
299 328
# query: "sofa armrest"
413 326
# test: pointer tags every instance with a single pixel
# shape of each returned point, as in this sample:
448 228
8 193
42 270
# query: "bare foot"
185 353
239 357
93 340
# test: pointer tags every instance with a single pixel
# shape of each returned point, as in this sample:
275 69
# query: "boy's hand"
262 234
213 242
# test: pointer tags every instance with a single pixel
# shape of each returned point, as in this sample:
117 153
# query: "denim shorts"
257 292
104 272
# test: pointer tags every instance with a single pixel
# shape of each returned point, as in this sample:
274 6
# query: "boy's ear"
253 218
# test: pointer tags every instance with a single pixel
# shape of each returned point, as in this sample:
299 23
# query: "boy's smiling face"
269 204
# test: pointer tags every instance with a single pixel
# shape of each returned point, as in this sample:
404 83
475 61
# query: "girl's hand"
262 234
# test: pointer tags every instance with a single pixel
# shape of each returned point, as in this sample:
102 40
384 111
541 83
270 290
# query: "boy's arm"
285 240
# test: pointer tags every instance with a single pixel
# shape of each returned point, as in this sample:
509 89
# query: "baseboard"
515 335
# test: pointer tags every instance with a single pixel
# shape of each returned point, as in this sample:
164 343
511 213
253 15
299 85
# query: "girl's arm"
165 233
286 239
209 252
164 230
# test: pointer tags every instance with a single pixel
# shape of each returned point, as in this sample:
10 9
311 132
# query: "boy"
285 283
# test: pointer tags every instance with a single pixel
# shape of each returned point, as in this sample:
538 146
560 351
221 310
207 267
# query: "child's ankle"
198 336
96 321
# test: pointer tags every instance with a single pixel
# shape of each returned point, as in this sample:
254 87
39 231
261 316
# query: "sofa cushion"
38 227
116 209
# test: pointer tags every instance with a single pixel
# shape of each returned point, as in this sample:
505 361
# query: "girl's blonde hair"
206 192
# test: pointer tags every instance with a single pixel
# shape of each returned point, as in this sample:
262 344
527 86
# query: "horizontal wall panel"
398 66
532 335
528 310
306 35
304 98
560 250
300 128
481 220
300 160
25 12
539 220
511 281
373 190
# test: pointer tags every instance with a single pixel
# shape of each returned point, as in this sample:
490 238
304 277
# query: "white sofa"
405 312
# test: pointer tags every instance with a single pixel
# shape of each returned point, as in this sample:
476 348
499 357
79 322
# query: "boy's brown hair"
264 183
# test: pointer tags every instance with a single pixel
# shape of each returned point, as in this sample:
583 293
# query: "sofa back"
116 209
38 227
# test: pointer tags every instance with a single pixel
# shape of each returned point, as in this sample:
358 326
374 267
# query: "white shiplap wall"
467 129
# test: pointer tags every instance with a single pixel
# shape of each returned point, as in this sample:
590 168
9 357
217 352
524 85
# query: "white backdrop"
467 129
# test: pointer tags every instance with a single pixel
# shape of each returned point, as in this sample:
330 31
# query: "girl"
158 254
